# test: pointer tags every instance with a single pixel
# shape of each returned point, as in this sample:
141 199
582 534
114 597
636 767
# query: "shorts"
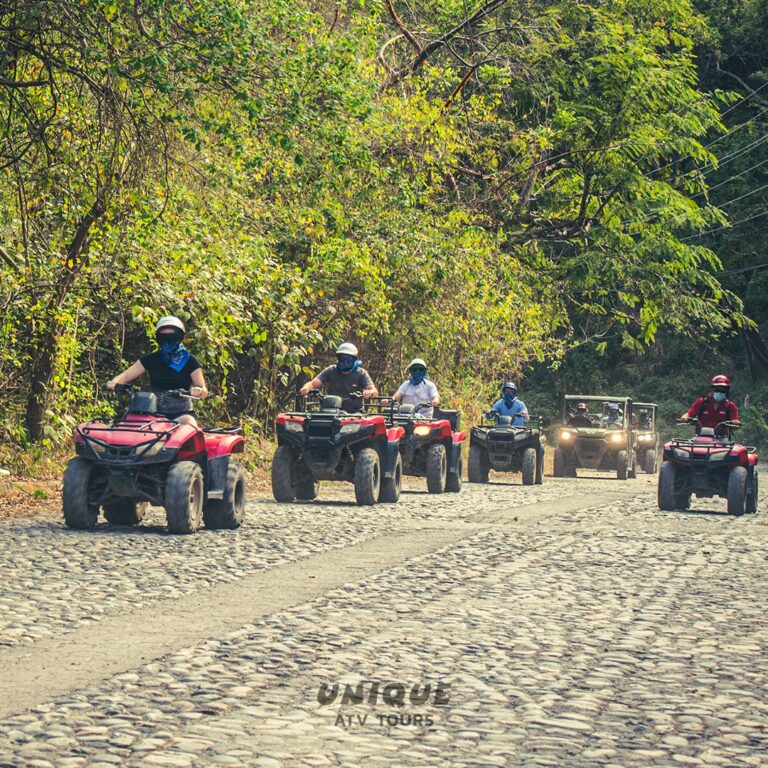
175 415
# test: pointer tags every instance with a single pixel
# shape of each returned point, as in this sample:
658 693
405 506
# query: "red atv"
141 457
430 447
709 464
327 443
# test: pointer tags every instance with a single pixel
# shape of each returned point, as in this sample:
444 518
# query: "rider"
345 377
170 367
418 390
714 408
581 417
509 405
614 417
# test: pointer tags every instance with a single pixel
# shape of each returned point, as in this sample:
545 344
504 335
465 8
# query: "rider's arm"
127 376
199 388
435 396
316 383
524 413
693 410
370 391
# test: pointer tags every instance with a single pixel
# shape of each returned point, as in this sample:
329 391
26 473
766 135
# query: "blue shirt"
517 407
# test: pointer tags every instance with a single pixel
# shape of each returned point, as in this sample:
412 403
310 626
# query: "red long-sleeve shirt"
710 414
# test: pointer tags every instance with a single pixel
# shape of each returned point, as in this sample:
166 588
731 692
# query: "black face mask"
173 338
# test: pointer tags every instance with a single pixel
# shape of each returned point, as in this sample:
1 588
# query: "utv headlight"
645 438
347 429
149 450
681 454
618 438
294 426
565 435
422 430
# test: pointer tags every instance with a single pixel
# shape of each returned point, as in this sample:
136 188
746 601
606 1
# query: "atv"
320 441
597 441
429 447
709 464
646 437
497 444
141 457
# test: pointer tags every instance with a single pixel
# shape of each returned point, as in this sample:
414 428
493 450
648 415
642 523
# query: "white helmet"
416 361
169 322
347 349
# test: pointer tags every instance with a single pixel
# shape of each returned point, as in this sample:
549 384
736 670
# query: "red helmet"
720 381
581 407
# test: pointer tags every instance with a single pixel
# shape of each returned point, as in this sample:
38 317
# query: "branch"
424 53
4 81
5 256
751 91
407 34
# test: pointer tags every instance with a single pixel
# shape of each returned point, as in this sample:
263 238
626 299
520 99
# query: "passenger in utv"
580 417
614 417
509 405
344 378
170 367
714 408
418 390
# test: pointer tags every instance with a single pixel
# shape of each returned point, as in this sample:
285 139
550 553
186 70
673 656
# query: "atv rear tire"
184 493
478 469
455 479
649 462
367 476
737 491
539 467
77 512
307 488
437 468
389 492
621 466
125 512
559 469
529 466
284 475
229 511
753 498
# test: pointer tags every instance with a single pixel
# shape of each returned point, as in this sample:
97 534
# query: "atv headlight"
97 447
422 430
294 426
618 438
719 456
149 450
565 435
347 429
681 454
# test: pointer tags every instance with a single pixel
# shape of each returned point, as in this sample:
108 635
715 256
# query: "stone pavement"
571 624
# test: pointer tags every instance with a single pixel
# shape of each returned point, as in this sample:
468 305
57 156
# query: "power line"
726 226
746 98
741 197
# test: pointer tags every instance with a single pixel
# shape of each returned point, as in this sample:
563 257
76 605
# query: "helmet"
720 381
581 407
347 349
509 385
417 361
613 407
169 322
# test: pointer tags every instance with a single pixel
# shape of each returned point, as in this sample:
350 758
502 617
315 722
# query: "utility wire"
727 226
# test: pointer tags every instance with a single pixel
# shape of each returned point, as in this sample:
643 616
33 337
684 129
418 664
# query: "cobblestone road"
571 624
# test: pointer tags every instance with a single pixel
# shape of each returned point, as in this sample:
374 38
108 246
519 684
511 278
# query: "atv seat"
503 421
706 432
453 417
330 404
751 449
407 409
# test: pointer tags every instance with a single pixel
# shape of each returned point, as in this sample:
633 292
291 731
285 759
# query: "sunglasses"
418 369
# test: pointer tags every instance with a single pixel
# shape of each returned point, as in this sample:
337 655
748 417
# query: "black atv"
497 444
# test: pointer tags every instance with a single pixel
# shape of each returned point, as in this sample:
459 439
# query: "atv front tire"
307 488
529 466
184 492
478 465
752 499
77 512
125 512
667 498
454 480
737 491
229 511
437 468
539 467
621 466
284 475
367 478
389 492
560 462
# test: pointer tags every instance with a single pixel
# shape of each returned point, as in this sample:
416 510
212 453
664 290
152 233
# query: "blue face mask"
417 377
509 397
718 397
174 354
347 364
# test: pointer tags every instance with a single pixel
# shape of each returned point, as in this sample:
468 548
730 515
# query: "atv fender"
390 460
455 455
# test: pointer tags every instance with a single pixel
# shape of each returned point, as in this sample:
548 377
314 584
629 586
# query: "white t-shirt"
415 394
